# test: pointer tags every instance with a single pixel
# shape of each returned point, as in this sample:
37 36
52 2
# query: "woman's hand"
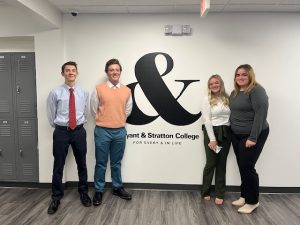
249 144
212 145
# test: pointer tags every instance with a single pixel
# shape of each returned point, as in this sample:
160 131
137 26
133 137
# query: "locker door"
7 151
25 84
27 150
6 97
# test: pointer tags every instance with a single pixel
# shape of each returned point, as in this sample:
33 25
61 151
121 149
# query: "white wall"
49 57
17 44
218 44
15 21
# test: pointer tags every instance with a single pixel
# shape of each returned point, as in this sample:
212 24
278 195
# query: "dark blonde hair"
251 75
213 99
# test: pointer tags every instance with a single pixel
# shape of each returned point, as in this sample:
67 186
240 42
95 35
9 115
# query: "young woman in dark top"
249 107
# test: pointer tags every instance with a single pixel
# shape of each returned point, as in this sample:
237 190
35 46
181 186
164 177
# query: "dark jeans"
216 162
246 159
62 139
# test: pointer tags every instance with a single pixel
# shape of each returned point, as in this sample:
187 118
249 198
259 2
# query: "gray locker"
25 81
27 150
6 97
18 122
7 153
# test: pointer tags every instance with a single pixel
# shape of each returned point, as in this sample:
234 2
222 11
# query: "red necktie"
72 111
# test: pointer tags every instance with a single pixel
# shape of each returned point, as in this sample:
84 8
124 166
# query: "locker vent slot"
4 106
27 169
25 106
7 169
5 130
3 66
24 66
26 130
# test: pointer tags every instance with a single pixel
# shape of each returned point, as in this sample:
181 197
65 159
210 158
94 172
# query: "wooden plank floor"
148 207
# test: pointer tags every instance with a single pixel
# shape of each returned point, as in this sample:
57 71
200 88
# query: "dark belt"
68 128
220 131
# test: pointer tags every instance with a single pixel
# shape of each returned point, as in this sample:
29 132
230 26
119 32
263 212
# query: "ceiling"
174 6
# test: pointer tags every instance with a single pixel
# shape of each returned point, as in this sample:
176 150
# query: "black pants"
62 139
246 159
216 162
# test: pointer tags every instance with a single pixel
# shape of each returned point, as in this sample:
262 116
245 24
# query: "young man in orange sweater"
111 104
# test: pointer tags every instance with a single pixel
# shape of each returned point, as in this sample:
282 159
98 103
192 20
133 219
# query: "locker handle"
21 151
18 89
0 151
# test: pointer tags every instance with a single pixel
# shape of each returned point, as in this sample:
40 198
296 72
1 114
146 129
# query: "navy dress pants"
62 139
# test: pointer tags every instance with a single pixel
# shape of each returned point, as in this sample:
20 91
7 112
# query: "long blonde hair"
251 75
213 98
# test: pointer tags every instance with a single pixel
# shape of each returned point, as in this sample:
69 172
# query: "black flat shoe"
122 193
53 206
85 199
97 199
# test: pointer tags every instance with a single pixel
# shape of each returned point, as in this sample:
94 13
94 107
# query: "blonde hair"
213 98
251 75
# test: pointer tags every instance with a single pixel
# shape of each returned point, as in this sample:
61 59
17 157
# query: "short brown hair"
111 62
71 63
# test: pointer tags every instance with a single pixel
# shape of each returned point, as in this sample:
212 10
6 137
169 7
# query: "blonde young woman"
217 138
250 130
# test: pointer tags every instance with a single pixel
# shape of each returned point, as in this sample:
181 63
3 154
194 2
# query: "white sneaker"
248 208
239 202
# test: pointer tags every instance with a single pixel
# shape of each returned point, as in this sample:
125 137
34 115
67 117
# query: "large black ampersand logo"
158 94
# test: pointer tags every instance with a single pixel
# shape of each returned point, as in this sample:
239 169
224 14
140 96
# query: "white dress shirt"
216 115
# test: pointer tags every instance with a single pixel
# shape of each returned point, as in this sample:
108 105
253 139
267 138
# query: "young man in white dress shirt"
111 104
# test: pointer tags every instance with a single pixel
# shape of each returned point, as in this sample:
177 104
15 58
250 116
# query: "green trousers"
216 162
